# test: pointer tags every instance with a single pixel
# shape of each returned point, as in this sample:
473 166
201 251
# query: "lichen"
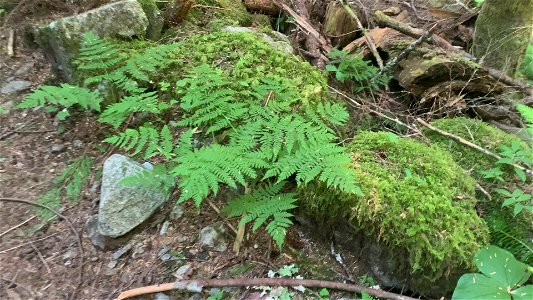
417 201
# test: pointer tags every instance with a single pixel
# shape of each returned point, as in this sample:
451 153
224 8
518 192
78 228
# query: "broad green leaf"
523 293
479 287
501 265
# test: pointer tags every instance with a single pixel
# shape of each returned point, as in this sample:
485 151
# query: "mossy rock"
214 14
509 232
477 132
155 19
418 205
247 58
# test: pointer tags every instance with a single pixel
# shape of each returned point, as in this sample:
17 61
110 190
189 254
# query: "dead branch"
10 42
368 39
387 21
469 144
198 285
71 227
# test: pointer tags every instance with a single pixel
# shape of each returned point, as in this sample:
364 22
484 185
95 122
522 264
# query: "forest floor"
42 259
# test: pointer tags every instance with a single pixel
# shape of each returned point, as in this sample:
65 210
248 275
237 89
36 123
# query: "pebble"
15 86
77 143
117 254
56 148
176 213
181 271
161 296
164 228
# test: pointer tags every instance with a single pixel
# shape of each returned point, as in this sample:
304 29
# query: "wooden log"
262 6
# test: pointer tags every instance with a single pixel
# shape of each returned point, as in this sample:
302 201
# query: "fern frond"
54 98
74 177
142 65
209 102
157 179
145 138
116 114
263 204
202 170
98 57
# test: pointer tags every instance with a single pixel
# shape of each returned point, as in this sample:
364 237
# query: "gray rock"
181 271
25 68
55 149
164 228
118 254
61 38
213 238
177 212
123 207
15 86
77 143
99 241
161 296
275 39
155 19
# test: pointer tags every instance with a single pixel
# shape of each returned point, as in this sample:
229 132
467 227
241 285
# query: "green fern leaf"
263 204
55 98
145 138
527 114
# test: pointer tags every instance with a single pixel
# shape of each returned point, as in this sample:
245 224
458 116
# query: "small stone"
15 86
112 264
164 228
161 296
165 257
117 254
77 143
25 68
177 212
392 11
56 148
148 166
181 272
212 237
164 250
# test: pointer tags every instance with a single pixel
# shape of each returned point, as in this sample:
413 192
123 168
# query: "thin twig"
198 285
368 39
71 227
41 257
16 226
469 144
27 243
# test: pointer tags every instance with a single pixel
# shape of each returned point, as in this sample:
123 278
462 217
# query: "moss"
477 132
247 59
155 20
218 13
511 233
417 201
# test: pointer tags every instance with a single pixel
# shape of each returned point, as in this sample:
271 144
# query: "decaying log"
262 6
176 11
339 26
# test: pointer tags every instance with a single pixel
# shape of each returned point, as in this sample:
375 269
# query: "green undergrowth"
417 200
510 232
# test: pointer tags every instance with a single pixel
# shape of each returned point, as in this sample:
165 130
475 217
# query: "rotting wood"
176 11
10 43
262 6
199 284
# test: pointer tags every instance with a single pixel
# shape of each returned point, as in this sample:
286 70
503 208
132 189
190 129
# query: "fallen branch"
10 43
469 144
198 285
71 227
387 21
368 39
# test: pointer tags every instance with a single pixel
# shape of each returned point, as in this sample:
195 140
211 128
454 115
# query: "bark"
503 29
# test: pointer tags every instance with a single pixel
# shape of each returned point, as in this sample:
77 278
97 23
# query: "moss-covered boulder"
510 232
418 208
61 38
248 59
477 132
155 19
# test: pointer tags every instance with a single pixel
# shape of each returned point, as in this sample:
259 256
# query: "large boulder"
416 222
61 38
123 207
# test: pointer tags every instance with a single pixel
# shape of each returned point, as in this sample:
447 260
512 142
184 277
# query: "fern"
145 138
527 114
98 58
158 179
116 114
265 203
55 98
202 171
141 66
208 100
506 234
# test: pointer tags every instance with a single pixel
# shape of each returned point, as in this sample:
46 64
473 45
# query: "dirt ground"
46 263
